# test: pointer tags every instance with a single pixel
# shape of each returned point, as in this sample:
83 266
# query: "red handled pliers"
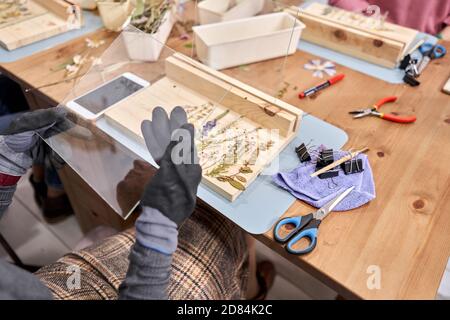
374 111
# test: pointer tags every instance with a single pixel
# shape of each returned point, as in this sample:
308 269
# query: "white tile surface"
311 287
284 290
67 231
31 240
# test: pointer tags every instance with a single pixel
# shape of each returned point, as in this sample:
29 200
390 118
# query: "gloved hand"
22 135
158 132
173 190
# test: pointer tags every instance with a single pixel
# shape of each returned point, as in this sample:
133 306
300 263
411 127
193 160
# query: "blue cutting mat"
92 22
258 208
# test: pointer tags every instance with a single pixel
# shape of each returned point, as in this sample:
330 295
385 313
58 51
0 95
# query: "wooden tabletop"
405 232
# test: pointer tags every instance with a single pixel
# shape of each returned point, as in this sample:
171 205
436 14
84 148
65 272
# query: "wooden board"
15 13
353 34
253 122
49 20
362 23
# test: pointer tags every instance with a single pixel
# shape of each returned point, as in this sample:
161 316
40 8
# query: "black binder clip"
408 79
405 62
353 166
326 158
302 153
329 174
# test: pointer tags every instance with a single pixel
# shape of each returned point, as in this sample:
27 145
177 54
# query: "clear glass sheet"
102 150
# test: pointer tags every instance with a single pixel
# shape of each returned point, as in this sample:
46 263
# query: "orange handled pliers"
374 111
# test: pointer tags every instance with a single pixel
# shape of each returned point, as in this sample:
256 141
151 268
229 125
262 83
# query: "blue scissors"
430 52
306 227
434 51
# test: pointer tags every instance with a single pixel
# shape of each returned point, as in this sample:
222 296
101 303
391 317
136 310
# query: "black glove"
23 132
19 141
173 190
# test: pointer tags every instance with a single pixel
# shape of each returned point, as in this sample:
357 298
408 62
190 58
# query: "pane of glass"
140 71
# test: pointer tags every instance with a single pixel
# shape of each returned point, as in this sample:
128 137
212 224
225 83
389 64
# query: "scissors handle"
309 233
298 222
433 51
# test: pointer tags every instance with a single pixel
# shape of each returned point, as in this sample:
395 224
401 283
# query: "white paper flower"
94 44
77 59
319 67
72 69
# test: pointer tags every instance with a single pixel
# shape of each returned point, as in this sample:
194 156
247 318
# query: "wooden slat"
245 87
392 31
42 26
232 97
371 48
382 47
57 7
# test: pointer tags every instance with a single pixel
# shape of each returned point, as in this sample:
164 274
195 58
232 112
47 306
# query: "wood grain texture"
406 229
39 27
350 33
351 20
11 16
58 7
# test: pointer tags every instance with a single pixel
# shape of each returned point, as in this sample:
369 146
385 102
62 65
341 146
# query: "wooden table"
405 231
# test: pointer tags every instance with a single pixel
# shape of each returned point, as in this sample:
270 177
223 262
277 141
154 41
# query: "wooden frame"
381 47
189 82
52 21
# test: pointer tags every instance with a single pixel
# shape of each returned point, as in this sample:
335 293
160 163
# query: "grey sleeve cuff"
148 275
6 196
155 231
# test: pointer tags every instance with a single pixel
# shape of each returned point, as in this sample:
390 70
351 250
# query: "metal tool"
430 52
306 227
374 111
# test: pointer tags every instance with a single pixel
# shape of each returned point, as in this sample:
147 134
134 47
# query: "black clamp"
302 153
353 166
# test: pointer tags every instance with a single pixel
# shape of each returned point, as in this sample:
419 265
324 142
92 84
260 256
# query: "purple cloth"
318 192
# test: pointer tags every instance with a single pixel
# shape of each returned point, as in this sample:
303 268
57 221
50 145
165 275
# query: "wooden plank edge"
296 112
281 120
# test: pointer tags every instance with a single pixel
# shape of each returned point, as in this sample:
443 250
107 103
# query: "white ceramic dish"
234 43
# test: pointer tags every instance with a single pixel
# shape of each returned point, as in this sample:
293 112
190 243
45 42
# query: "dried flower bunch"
149 14
74 65
228 148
